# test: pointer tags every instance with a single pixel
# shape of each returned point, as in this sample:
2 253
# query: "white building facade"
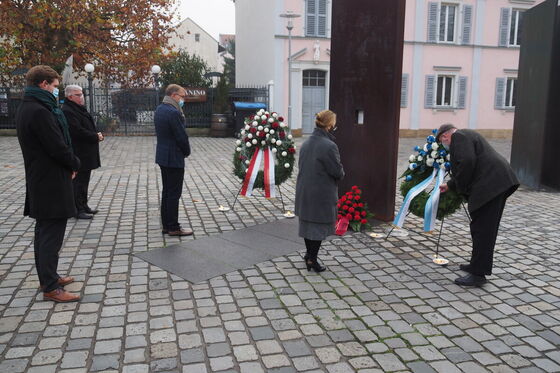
190 37
262 54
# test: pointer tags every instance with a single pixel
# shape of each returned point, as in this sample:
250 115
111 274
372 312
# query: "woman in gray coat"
316 189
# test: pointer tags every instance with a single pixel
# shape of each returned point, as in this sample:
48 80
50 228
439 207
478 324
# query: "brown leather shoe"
61 296
180 232
63 281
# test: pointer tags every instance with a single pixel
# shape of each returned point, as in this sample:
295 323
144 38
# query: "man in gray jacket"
486 180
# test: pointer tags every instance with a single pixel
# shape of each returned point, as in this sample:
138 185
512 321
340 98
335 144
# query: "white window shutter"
432 22
505 16
404 91
462 99
430 91
311 18
500 93
467 23
322 18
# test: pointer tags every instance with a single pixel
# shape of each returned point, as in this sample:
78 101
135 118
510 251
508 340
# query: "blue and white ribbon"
416 190
430 211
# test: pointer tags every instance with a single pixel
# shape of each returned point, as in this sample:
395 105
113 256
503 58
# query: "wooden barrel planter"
219 126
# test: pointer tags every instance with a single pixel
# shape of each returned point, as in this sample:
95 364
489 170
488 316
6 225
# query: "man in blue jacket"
171 150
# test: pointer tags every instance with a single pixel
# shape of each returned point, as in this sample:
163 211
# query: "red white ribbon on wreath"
269 182
253 171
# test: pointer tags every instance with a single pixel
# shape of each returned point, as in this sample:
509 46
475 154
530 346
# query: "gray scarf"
169 101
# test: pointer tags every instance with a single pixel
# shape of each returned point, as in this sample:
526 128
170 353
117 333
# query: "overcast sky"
215 16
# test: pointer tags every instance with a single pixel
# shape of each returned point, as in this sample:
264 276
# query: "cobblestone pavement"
382 306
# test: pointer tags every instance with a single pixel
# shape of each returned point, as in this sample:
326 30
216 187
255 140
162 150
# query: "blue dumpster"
242 110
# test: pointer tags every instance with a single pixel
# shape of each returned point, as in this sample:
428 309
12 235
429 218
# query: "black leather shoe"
92 212
465 267
83 215
314 265
471 280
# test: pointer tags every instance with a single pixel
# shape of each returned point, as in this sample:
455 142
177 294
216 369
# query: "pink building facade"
459 66
460 63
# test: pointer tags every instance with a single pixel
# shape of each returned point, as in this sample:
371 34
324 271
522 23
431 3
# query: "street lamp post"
290 26
89 68
156 70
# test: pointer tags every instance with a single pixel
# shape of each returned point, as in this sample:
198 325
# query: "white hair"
71 87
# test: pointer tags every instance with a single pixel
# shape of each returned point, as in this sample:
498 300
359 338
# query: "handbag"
341 226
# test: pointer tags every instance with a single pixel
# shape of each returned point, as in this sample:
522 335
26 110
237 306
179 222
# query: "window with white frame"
447 22
316 18
314 78
510 93
444 90
506 93
511 24
515 27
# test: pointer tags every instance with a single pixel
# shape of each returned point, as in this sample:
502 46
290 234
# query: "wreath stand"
287 213
437 259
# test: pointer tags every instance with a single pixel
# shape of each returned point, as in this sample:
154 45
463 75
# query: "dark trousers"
172 180
312 247
49 234
81 185
484 231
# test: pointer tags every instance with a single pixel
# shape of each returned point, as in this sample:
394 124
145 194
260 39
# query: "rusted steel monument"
365 86
536 131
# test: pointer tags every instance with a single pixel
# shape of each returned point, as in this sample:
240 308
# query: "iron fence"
130 111
10 98
249 94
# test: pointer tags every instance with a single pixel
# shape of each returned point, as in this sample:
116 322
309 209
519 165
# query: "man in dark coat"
85 141
486 179
50 166
171 150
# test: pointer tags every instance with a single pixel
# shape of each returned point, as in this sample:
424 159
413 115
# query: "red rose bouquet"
351 207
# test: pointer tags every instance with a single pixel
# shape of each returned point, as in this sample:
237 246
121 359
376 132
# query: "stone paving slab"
381 306
198 261
202 259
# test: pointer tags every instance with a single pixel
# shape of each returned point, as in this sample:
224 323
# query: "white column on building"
279 74
477 63
270 87
297 98
418 60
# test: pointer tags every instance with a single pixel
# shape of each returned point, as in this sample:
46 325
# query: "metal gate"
130 111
